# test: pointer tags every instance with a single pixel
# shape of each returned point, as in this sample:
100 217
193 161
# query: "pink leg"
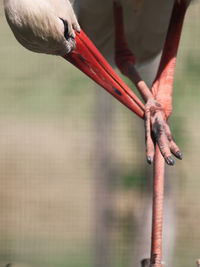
124 58
162 90
125 61
158 103
163 85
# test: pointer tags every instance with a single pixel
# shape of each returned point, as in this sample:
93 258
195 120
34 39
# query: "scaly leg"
156 126
163 85
124 57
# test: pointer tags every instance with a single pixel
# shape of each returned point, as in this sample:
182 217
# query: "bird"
128 32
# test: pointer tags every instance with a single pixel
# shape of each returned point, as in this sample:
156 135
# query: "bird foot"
157 130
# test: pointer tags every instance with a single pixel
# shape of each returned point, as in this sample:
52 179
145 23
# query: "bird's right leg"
156 126
124 57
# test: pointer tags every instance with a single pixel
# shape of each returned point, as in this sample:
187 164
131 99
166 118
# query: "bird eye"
66 32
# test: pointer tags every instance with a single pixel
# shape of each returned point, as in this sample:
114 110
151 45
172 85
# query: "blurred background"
75 188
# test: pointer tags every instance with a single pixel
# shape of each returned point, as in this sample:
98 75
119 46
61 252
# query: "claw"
158 131
170 161
179 155
149 160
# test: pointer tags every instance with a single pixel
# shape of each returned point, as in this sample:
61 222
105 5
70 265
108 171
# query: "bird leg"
158 101
124 57
163 85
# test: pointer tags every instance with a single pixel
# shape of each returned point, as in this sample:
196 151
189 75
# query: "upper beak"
88 59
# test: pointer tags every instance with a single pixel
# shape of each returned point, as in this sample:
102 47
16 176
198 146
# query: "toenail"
170 161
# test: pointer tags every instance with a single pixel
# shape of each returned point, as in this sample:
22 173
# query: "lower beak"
89 60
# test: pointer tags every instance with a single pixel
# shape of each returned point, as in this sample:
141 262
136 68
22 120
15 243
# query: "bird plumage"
146 23
38 25
145 30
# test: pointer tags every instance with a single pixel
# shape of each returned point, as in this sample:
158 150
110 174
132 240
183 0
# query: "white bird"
127 32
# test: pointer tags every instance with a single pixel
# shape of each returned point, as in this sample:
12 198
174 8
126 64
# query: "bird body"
37 25
145 28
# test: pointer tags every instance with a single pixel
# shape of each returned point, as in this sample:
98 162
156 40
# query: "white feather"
146 23
37 24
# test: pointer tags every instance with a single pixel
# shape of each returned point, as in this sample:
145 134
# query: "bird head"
51 27
42 26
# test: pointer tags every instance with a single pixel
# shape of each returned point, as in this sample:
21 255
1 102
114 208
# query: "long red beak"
88 59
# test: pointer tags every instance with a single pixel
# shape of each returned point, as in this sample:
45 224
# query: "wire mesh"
75 187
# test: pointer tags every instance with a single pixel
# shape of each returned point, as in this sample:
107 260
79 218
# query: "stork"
51 27
128 32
